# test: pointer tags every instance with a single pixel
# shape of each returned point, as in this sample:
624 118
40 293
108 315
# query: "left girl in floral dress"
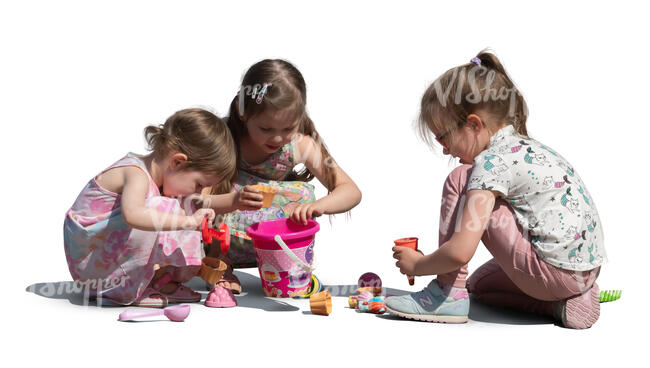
127 237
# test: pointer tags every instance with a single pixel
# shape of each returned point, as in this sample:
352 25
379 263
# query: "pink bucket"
284 251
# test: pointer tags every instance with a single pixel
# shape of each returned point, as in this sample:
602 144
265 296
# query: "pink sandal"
150 298
182 294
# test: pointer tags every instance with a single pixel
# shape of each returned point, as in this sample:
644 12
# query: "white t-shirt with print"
550 200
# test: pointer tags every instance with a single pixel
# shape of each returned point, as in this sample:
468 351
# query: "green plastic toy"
610 295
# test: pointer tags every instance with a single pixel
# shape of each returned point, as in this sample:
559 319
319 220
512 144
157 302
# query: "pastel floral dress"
114 260
290 194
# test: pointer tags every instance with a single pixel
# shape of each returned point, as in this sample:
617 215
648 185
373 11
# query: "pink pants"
515 277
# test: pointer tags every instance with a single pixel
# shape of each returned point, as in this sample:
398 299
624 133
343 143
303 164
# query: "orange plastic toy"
409 243
222 235
321 303
267 193
212 269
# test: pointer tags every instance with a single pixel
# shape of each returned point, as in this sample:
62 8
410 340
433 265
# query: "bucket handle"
294 258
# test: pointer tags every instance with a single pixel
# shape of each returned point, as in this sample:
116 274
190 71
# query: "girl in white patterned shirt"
521 198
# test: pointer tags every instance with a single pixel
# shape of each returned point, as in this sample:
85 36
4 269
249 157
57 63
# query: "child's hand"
406 259
201 213
305 211
248 199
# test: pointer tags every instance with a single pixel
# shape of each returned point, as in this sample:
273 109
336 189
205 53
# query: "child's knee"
503 225
478 281
457 179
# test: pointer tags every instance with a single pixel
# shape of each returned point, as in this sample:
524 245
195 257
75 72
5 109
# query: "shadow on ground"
253 297
480 312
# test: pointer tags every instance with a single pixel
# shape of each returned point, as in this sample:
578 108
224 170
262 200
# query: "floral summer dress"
114 260
290 193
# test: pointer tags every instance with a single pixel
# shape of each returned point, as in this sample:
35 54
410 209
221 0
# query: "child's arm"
245 200
460 248
136 215
345 194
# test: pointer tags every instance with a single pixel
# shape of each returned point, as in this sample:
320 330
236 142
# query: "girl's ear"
177 161
474 122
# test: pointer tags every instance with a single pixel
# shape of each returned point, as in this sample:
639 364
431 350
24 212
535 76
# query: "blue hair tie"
476 61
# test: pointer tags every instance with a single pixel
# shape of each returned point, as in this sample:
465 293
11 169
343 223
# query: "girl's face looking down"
466 140
180 182
271 130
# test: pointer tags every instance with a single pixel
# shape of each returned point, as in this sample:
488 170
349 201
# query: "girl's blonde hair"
202 136
284 90
482 85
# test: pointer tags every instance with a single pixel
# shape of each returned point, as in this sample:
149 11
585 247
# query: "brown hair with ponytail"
202 136
482 85
286 91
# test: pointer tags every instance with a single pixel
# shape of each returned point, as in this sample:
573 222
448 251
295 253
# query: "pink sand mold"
220 297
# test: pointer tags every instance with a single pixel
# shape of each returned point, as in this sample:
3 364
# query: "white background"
79 82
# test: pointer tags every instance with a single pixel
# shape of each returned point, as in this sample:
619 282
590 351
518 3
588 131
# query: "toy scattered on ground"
409 243
284 250
353 302
176 313
363 296
315 287
371 289
369 282
267 192
220 297
610 295
369 279
321 303
370 296
212 269
374 305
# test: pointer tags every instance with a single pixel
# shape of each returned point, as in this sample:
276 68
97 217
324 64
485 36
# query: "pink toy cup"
284 251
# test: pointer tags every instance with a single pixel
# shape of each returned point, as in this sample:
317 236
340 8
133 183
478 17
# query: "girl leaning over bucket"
273 134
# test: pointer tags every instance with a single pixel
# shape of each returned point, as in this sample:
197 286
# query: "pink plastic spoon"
176 313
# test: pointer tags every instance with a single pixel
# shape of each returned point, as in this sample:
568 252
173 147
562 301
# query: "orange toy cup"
267 192
409 243
212 269
321 303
